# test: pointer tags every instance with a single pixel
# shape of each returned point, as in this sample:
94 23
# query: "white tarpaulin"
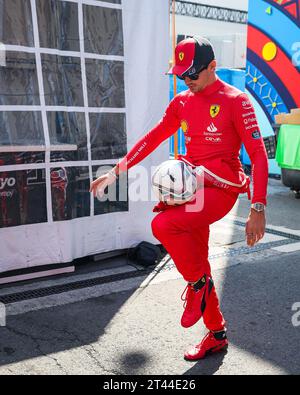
38 157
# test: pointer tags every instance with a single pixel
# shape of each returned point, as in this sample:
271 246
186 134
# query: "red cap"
191 55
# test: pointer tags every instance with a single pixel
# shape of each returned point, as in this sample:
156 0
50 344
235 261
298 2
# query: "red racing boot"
195 300
211 343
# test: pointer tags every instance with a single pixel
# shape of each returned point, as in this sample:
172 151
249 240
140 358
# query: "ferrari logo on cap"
214 110
181 56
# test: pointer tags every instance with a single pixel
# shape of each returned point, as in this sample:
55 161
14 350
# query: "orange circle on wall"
269 51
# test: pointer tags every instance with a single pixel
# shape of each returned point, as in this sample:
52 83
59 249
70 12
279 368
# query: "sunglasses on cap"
193 76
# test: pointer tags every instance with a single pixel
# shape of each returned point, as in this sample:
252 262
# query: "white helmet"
174 182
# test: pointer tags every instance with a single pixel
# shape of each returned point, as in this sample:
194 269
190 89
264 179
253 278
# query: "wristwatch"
259 207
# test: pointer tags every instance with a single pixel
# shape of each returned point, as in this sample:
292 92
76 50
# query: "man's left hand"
255 227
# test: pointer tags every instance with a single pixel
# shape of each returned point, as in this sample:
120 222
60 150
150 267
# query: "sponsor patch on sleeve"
256 135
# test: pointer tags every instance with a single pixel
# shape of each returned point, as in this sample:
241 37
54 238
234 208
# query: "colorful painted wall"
273 60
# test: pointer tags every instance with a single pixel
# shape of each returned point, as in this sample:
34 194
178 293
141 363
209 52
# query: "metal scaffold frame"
197 10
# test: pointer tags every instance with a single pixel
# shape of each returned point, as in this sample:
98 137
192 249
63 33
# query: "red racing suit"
215 122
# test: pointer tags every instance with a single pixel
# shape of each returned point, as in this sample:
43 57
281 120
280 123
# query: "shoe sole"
208 352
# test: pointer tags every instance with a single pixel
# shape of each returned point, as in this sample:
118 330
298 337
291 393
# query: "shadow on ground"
50 331
211 365
144 337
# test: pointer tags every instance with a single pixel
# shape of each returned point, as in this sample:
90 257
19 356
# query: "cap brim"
178 70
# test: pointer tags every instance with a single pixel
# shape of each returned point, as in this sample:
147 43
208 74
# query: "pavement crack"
92 352
88 348
59 365
38 346
10 370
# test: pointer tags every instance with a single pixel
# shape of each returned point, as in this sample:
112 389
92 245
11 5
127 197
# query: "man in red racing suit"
216 119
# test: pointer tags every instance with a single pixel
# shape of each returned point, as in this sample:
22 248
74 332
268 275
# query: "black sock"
221 335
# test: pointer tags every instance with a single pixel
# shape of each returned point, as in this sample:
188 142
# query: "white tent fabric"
146 51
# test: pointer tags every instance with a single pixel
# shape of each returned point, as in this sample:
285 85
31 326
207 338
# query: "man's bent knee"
160 226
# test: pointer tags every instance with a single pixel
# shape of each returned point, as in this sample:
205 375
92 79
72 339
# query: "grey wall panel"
68 128
58 24
46 78
105 83
21 128
70 193
108 136
23 198
20 158
115 204
18 79
16 22
62 80
103 30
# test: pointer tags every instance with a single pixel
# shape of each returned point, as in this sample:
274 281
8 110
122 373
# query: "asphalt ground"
130 325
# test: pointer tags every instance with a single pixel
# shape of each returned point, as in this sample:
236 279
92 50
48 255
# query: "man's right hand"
98 186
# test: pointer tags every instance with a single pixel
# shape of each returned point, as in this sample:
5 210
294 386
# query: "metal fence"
197 10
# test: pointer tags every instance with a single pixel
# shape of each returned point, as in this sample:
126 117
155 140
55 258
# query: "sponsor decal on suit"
214 110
